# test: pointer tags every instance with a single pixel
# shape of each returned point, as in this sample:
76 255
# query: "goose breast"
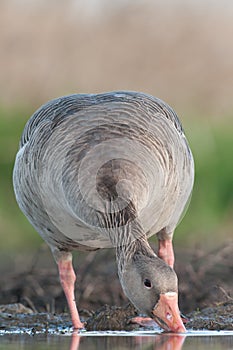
88 164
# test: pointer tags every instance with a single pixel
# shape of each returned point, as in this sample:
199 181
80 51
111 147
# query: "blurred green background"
177 50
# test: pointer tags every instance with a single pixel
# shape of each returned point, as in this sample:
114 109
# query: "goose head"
152 287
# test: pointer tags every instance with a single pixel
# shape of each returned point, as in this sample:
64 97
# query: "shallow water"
198 340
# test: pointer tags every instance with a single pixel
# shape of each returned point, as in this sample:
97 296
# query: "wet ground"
32 301
16 318
23 329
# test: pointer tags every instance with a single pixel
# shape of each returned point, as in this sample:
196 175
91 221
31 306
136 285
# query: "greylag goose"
109 170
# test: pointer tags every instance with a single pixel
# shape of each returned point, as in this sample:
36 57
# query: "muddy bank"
213 318
216 318
205 283
17 318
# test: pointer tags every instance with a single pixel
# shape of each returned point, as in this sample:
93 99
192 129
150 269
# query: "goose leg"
166 252
67 278
143 321
165 249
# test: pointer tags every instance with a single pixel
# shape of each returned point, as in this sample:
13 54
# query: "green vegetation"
209 215
15 230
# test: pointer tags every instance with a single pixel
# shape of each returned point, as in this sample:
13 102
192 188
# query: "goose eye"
147 283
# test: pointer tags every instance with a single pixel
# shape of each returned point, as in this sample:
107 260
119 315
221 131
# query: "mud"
216 318
32 300
15 318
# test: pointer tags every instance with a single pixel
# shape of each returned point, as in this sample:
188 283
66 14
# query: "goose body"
108 170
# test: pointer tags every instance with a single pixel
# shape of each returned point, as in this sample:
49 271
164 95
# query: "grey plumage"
97 171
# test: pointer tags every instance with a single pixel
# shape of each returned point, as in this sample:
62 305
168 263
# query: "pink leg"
67 278
165 251
148 322
143 321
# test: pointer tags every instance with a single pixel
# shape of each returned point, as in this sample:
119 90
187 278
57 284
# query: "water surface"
198 340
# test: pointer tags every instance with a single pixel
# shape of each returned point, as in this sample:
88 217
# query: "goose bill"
166 313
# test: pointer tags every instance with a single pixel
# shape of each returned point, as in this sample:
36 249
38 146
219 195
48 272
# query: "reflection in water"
158 342
165 342
108 341
75 341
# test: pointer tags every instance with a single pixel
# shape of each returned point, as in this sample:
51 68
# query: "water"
198 340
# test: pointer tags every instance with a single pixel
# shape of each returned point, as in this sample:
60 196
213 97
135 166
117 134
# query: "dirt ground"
205 297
